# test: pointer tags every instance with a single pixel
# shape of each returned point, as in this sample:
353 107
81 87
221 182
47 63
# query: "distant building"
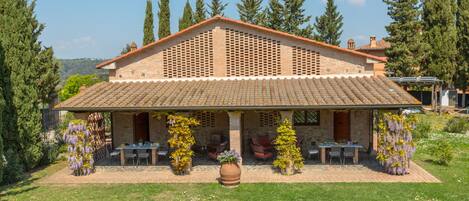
375 48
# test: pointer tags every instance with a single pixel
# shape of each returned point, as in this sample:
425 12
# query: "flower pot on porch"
230 174
289 170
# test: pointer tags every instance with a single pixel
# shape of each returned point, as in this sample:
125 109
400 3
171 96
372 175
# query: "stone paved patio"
250 174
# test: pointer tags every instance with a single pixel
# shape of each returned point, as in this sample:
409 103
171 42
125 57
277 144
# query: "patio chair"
163 152
313 151
129 154
335 153
262 141
349 152
142 154
260 152
113 154
213 153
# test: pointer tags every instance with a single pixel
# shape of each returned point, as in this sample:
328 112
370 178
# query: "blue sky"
101 28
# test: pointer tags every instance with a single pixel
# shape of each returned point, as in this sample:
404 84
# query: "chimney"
133 46
373 41
351 44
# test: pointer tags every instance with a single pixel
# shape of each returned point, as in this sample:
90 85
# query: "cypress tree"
28 72
462 24
295 18
329 25
406 52
440 36
163 16
200 11
273 16
186 20
148 34
217 8
2 106
249 11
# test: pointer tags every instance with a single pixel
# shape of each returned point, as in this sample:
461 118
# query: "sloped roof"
243 93
380 45
241 23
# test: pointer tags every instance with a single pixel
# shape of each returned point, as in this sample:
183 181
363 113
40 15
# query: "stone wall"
122 128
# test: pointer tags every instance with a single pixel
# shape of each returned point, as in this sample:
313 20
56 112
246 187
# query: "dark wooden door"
141 127
342 126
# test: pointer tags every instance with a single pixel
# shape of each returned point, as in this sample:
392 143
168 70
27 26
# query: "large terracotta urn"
230 174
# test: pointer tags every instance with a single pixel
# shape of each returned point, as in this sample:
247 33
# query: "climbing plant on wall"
289 159
95 125
181 140
395 145
80 150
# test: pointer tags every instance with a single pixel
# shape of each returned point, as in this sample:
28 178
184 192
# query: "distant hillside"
81 66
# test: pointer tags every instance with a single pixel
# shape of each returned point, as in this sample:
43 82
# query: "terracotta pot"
230 174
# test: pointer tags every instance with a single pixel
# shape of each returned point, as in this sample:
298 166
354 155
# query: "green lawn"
455 186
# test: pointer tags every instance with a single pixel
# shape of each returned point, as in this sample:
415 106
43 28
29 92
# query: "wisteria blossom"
80 151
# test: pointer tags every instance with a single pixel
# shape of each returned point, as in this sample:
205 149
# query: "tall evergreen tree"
329 25
164 21
273 16
2 106
462 24
295 19
186 20
440 35
28 73
200 12
406 52
148 34
217 7
250 11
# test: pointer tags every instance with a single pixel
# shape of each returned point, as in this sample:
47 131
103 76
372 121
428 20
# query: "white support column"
235 131
286 115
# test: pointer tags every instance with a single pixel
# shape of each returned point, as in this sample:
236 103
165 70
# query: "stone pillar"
235 131
286 115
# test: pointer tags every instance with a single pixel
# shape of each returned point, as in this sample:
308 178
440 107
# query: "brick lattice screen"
206 119
190 58
251 55
305 62
269 119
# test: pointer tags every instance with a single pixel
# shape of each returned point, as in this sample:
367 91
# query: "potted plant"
230 172
289 159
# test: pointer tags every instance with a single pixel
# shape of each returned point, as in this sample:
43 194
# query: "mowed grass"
454 186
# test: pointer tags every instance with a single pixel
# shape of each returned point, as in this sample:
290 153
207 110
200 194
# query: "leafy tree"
181 140
440 35
148 35
249 11
295 19
2 106
163 16
217 8
273 16
49 77
200 11
462 24
329 25
407 50
126 49
289 159
186 20
73 83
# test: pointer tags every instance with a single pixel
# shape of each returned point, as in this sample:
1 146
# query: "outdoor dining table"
324 146
153 147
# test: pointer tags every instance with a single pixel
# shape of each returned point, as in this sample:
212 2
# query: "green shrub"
457 125
289 159
422 129
13 171
50 153
181 141
441 150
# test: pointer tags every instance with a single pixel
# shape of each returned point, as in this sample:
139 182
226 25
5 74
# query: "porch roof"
312 92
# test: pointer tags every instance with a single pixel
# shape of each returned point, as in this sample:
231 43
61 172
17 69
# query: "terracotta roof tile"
262 93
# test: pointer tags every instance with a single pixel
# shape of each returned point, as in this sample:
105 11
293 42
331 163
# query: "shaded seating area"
261 147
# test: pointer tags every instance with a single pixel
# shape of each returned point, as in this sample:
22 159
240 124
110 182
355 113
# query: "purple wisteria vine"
395 145
80 150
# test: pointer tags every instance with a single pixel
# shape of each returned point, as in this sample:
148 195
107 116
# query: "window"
306 118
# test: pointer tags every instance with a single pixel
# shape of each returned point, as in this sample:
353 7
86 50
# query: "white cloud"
76 43
357 2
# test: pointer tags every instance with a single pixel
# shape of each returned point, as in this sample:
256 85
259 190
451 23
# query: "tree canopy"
164 19
200 12
462 24
329 25
250 11
148 35
74 83
217 7
186 20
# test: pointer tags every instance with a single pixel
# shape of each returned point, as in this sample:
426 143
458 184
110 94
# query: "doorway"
342 126
141 127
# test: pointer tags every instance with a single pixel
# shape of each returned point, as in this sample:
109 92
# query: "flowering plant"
229 157
181 140
395 145
80 151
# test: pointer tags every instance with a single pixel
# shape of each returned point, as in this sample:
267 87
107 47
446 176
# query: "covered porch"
243 113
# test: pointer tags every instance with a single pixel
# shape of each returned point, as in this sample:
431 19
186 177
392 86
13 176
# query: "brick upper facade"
228 48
